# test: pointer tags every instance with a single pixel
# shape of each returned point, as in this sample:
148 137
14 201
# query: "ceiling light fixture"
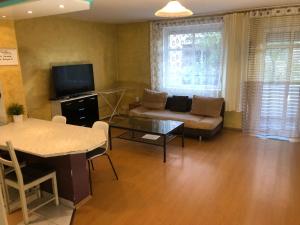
29 12
174 9
61 6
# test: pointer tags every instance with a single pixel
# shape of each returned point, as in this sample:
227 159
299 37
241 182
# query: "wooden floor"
231 180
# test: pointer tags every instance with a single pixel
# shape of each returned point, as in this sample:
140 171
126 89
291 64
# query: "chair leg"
38 191
54 188
90 177
5 197
112 166
24 206
92 164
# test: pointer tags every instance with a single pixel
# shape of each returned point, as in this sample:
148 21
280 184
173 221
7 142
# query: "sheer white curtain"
187 56
271 105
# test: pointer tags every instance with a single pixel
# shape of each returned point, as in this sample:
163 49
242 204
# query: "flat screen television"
72 80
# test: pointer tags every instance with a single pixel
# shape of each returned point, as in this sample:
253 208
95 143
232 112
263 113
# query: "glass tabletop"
148 125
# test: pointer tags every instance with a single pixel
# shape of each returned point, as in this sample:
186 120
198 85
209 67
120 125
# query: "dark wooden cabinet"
81 111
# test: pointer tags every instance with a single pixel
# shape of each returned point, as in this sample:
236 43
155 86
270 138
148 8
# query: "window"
192 59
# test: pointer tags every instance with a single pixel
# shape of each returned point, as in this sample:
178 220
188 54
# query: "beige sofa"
195 125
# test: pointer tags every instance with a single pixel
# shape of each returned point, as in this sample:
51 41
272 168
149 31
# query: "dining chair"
59 119
3 217
101 151
6 170
24 179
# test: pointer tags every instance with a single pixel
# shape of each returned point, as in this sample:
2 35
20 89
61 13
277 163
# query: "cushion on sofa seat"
179 104
154 99
206 106
190 120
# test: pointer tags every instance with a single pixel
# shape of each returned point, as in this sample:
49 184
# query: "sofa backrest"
190 101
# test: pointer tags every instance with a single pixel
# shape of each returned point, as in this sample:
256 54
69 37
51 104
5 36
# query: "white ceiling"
41 8
123 11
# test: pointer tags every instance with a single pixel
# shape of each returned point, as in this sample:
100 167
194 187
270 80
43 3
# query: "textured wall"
10 76
233 120
133 53
120 55
133 60
56 40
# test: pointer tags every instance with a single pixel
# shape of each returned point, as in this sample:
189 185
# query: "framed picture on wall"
8 57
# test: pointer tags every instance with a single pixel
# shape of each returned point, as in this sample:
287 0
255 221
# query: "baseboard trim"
233 128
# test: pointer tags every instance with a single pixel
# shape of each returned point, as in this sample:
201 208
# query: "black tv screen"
72 79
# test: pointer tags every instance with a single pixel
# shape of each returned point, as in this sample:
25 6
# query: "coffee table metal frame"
132 134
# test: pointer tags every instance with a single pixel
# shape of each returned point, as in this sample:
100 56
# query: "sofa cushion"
190 120
206 106
169 103
179 104
154 99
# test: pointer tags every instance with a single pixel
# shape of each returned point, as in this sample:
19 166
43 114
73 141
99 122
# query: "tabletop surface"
48 139
148 125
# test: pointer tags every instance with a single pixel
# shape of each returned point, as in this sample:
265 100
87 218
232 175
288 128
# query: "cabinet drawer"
74 104
81 102
68 105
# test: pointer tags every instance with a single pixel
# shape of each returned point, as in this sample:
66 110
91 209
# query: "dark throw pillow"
179 103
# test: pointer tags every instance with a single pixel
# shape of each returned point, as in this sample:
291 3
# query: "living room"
199 111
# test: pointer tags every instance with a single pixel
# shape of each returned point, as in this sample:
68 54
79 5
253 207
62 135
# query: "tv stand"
81 110
76 95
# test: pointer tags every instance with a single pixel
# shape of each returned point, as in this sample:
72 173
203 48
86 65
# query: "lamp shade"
174 9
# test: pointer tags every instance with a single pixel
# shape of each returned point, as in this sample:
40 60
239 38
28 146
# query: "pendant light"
174 9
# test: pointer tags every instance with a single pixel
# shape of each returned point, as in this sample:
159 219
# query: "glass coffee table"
149 131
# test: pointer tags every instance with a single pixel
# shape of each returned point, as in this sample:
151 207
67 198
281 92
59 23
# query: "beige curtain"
236 39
